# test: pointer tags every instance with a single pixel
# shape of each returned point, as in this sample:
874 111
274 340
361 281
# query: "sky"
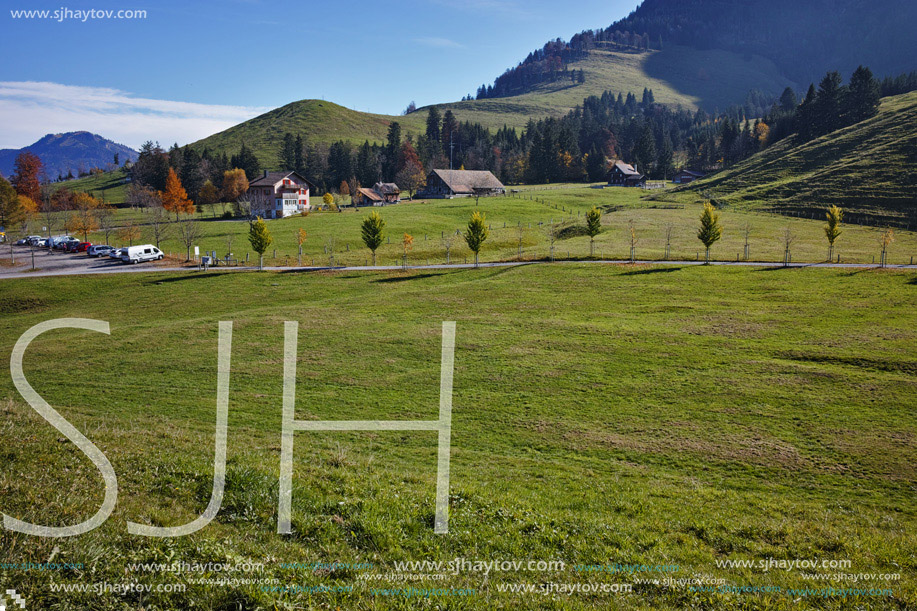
192 68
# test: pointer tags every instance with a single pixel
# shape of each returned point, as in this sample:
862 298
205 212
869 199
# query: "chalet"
686 176
285 193
447 184
625 175
381 194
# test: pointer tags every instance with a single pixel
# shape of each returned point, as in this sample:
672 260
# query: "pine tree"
788 101
645 150
862 99
247 160
299 163
829 104
805 115
434 124
665 162
288 152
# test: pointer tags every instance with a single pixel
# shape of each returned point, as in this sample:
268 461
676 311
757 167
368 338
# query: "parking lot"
51 262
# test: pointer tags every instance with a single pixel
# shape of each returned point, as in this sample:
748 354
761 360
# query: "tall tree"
175 198
192 178
829 103
862 99
645 150
299 162
288 152
235 184
27 172
247 160
788 101
392 149
434 124
665 162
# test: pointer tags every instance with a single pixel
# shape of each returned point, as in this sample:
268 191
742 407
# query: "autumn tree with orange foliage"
175 198
26 177
235 184
83 219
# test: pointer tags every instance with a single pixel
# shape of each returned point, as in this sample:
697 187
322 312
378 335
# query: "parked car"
98 250
60 242
78 246
139 254
41 242
23 241
33 240
116 253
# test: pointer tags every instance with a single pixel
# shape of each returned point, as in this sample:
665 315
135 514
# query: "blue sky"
192 68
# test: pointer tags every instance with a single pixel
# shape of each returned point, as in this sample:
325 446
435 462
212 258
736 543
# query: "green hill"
869 169
677 75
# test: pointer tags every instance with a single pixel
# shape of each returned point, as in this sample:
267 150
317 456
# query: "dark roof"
626 168
386 188
269 179
468 181
693 173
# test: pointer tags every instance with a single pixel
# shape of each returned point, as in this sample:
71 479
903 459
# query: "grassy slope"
109 186
664 416
867 168
677 75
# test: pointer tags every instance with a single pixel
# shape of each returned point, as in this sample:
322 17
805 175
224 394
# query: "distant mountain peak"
66 152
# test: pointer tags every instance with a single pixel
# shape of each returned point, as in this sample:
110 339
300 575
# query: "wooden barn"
625 175
381 194
686 176
446 184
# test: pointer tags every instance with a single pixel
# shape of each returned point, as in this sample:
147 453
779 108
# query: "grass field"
602 415
565 205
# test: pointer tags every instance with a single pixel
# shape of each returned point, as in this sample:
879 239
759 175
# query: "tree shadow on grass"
406 278
652 270
185 277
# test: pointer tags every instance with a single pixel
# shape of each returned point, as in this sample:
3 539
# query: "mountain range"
74 152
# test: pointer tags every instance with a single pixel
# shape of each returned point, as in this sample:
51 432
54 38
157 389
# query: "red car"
79 246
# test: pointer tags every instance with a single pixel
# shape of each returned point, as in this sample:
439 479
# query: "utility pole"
451 148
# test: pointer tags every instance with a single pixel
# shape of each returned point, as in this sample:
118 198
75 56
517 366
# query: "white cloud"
442 43
29 110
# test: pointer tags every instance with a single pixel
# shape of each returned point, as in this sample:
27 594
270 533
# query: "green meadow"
602 415
531 216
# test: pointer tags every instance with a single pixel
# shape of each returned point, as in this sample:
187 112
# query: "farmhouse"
686 176
461 183
286 193
381 194
625 175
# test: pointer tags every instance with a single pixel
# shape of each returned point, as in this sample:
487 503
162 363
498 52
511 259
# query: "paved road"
48 263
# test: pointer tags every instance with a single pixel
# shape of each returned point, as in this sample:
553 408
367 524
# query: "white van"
139 254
